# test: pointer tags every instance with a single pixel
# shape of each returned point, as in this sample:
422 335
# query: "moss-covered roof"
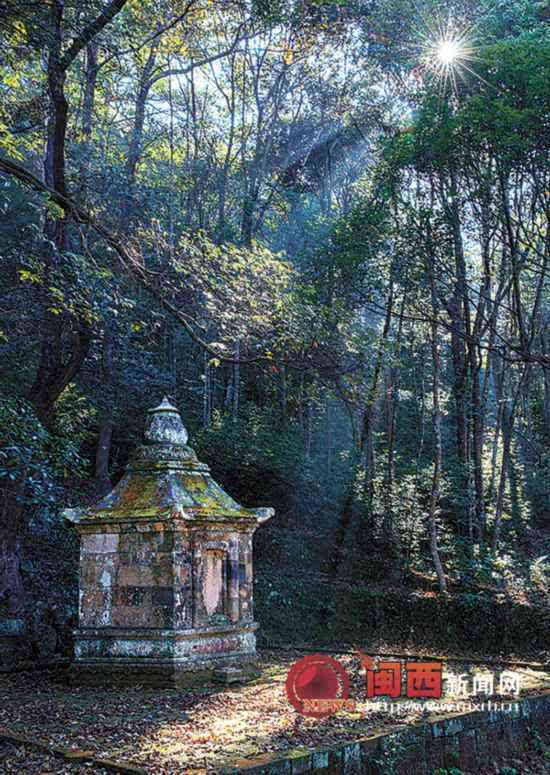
165 480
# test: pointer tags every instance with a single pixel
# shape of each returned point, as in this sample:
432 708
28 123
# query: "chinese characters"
425 680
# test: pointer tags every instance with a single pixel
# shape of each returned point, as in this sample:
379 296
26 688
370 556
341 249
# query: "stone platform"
161 658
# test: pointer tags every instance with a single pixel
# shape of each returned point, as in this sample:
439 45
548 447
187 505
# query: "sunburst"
447 50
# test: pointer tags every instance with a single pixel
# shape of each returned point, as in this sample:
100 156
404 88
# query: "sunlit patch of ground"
181 730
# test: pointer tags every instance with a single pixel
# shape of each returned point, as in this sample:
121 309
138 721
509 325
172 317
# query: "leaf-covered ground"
21 759
175 731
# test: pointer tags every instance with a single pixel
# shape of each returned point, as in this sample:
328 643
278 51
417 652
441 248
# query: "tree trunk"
506 441
236 379
11 583
65 339
92 70
105 432
477 445
492 483
392 391
438 453
508 418
62 354
309 428
206 396
459 309
11 523
283 394
358 454
103 449
546 384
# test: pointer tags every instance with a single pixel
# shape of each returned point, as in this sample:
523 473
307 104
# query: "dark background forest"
330 248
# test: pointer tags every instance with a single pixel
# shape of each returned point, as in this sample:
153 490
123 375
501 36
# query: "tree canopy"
326 238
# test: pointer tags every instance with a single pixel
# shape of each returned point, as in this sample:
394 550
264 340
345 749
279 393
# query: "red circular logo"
316 677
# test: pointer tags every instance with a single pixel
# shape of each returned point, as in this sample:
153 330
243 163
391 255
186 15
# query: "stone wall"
463 741
152 575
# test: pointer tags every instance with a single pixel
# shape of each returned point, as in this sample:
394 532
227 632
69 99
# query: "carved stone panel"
213 581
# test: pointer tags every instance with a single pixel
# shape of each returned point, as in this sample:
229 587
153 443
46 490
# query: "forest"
322 230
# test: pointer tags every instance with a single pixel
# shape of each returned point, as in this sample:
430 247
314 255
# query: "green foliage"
257 461
394 751
33 460
518 18
290 604
501 110
305 200
243 291
535 740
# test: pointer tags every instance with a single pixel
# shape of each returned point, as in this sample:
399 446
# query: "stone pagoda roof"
164 480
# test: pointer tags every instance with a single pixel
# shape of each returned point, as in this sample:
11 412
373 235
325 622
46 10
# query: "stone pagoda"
165 570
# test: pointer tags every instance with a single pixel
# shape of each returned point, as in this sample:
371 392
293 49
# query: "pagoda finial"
164 404
164 425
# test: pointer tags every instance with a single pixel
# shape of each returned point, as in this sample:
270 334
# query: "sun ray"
445 44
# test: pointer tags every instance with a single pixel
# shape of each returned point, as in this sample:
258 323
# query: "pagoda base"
161 658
